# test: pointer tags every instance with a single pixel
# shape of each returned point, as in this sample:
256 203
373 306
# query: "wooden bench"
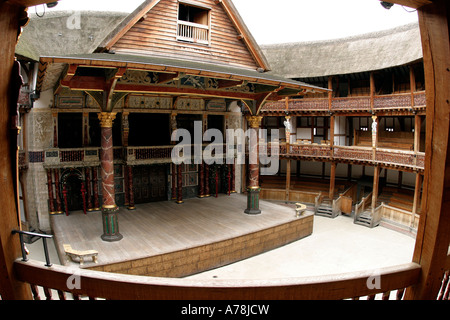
81 255
300 208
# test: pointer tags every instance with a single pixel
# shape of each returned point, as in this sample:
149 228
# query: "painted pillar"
109 207
179 185
88 189
130 188
95 189
206 182
253 188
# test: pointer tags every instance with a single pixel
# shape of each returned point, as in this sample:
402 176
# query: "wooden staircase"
365 215
367 219
326 207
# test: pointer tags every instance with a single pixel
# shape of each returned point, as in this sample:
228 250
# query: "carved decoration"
106 119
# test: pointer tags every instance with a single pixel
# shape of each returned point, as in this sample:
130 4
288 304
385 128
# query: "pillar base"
110 224
253 201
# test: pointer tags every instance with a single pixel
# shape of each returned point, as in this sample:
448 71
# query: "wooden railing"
351 103
95 284
192 32
410 159
361 206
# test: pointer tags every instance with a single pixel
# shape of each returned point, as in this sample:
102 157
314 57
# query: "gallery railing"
389 157
95 284
350 104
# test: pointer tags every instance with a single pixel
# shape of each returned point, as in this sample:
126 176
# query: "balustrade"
392 157
105 285
192 32
351 104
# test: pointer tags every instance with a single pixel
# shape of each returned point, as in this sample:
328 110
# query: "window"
193 23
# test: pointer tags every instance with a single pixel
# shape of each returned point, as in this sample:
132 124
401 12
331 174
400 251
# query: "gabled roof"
227 5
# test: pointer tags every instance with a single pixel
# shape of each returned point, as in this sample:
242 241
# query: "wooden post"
332 180
433 234
417 193
331 132
376 179
10 249
288 178
417 125
130 189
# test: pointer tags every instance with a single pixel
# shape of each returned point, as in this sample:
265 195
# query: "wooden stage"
175 240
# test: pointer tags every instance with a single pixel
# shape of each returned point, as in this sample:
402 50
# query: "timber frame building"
375 129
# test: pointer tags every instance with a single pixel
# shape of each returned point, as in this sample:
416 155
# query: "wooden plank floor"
162 227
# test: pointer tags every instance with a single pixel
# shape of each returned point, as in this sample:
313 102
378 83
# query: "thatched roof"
367 52
66 32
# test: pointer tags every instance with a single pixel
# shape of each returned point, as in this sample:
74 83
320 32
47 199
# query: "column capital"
254 121
106 119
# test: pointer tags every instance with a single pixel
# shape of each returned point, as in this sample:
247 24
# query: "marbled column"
109 207
253 188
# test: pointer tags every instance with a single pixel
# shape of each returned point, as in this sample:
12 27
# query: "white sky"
287 20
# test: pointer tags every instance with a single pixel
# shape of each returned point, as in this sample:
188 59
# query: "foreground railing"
95 284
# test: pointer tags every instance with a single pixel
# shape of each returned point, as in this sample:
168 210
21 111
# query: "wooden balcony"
401 101
406 160
192 32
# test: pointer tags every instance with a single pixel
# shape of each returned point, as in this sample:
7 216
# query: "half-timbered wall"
156 34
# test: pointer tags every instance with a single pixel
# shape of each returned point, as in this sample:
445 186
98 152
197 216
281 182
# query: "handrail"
44 238
360 207
106 285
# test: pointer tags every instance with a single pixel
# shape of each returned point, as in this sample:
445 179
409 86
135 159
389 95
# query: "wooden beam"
332 180
10 248
288 178
164 78
376 180
433 234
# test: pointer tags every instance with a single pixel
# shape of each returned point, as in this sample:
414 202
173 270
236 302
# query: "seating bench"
81 255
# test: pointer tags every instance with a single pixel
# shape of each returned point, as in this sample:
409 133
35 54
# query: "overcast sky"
287 20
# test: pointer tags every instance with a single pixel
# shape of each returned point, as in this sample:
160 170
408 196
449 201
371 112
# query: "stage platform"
176 240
